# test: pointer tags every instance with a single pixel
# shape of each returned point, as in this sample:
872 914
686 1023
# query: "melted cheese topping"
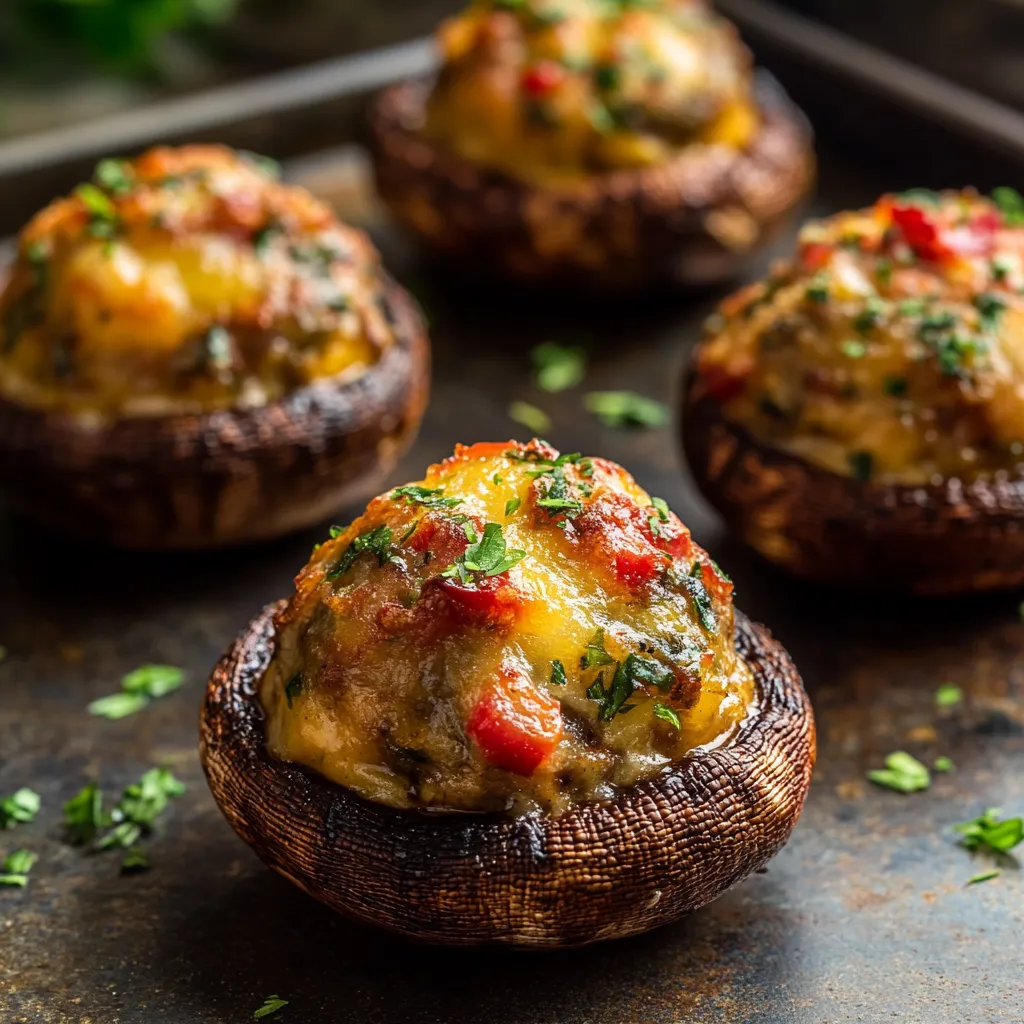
517 630
185 281
551 90
892 348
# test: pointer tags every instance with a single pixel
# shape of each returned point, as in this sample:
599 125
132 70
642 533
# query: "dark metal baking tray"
865 916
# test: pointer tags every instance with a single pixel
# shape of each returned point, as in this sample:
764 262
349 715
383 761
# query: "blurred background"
63 61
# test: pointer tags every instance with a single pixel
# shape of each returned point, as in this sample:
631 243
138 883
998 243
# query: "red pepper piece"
815 255
932 240
542 77
617 533
515 724
492 602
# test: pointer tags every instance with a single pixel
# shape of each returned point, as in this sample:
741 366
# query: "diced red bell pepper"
542 77
715 583
492 601
815 255
515 724
931 239
617 533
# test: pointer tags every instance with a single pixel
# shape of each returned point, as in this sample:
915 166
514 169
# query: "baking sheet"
865 916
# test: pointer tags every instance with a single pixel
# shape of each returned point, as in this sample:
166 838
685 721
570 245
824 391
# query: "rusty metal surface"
865 916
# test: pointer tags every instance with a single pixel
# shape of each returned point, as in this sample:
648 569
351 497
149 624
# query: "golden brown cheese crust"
187 280
891 349
519 629
553 90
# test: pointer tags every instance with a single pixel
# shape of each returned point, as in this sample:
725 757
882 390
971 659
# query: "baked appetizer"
194 354
510 703
605 141
858 417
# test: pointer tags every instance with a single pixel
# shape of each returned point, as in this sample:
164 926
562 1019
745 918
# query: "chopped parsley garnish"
883 272
984 876
83 813
558 367
16 868
138 687
1001 267
497 479
292 688
853 349
1011 205
103 217
428 497
661 507
989 831
870 316
270 1005
920 197
990 307
621 409
895 386
667 714
376 542
115 176
817 290
629 674
264 237
948 695
943 764
541 462
902 772
20 808
268 165
911 307
557 496
607 76
558 677
595 654
512 505
487 557
702 603
135 860
534 419
136 812
942 332
862 466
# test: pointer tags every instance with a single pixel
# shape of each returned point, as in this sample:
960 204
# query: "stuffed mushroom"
513 703
858 417
193 353
592 140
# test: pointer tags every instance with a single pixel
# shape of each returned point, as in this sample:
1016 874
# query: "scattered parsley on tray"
16 868
624 409
991 832
270 1005
529 416
902 772
558 367
948 695
19 809
138 687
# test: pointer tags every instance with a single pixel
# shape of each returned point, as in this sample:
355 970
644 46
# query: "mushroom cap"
226 477
693 220
600 871
941 538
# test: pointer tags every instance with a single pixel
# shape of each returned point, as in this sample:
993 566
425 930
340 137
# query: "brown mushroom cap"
692 221
945 538
600 871
226 477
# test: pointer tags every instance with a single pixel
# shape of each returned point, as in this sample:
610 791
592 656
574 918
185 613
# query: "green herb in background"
984 876
135 860
534 419
558 367
115 176
16 868
948 695
83 814
1011 205
138 687
989 831
943 764
19 809
902 772
270 1005
622 409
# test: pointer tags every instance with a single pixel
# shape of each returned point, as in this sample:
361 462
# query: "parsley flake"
488 556
20 808
292 688
270 1005
512 505
989 831
376 542
16 868
534 419
115 176
558 367
943 764
667 714
984 876
1011 205
428 497
862 466
558 677
853 349
83 814
623 409
948 695
138 687
902 772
